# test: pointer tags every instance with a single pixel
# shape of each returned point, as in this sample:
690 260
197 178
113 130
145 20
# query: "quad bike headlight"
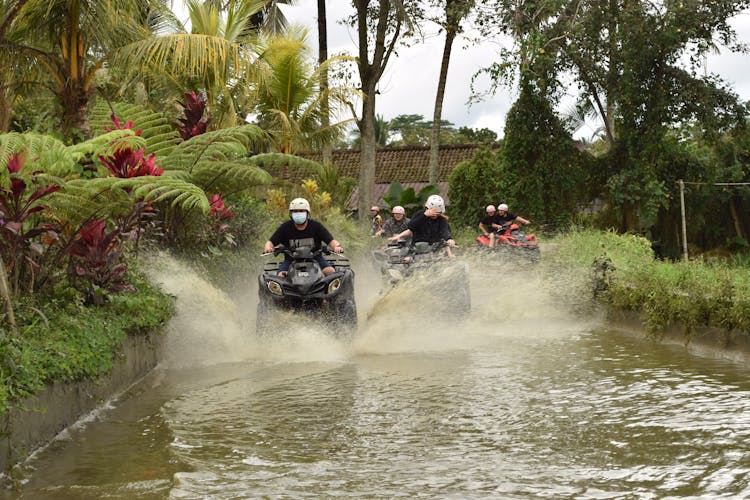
334 285
275 288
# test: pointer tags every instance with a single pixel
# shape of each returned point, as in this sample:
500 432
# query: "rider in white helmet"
489 224
505 217
398 223
430 225
299 231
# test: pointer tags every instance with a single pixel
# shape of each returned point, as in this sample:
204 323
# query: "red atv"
509 238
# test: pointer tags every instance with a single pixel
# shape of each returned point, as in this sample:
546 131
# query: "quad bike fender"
331 286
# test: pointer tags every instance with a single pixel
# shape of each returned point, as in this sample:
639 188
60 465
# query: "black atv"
329 299
443 276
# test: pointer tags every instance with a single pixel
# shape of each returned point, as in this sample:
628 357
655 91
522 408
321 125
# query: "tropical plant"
216 56
94 267
409 199
78 38
193 122
22 199
291 105
339 187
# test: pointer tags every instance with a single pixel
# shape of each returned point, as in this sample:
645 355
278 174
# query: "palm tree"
217 56
290 103
71 40
455 11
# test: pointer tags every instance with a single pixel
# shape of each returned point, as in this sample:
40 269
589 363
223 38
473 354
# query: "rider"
398 223
505 218
302 231
430 225
376 221
490 223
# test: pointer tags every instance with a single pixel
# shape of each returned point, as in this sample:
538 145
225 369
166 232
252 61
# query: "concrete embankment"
704 341
36 420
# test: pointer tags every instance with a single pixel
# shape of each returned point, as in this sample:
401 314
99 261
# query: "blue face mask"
299 217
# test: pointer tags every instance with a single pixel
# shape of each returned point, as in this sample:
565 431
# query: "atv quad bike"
305 290
442 276
509 239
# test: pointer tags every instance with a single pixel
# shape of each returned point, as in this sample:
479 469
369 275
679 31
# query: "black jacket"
428 229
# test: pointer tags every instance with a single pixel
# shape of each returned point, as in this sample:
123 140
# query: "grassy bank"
691 294
60 339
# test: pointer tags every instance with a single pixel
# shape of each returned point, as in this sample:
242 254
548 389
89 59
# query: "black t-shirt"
489 220
311 236
503 219
428 229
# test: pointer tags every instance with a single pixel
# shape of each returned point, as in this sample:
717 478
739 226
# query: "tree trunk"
75 102
322 57
5 112
630 217
368 157
736 219
5 292
450 35
371 67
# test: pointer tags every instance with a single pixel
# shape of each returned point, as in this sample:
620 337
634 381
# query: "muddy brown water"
532 396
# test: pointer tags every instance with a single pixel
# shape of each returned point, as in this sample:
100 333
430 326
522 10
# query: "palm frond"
107 144
79 200
221 145
230 177
275 163
178 192
47 153
158 131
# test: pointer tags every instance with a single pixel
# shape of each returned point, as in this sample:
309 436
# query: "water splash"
215 326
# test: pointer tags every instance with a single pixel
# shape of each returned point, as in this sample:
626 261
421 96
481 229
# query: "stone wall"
705 341
36 420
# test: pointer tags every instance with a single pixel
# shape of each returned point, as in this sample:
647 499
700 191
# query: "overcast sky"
410 81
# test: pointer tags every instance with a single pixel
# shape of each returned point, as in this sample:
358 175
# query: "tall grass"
691 294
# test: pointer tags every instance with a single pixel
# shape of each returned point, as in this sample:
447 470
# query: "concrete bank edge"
36 420
705 341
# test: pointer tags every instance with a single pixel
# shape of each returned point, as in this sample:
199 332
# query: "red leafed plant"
94 267
219 213
193 123
126 163
22 233
218 208
120 126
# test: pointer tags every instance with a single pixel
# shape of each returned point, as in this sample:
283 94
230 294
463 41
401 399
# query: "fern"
45 152
274 162
80 200
228 177
226 144
158 131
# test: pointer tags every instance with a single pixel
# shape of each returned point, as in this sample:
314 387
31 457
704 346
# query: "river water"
531 397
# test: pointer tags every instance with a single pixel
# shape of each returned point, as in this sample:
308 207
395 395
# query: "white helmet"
398 209
502 207
299 204
490 209
435 202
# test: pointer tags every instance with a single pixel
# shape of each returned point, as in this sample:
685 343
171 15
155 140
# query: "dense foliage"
64 340
687 294
543 172
475 184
